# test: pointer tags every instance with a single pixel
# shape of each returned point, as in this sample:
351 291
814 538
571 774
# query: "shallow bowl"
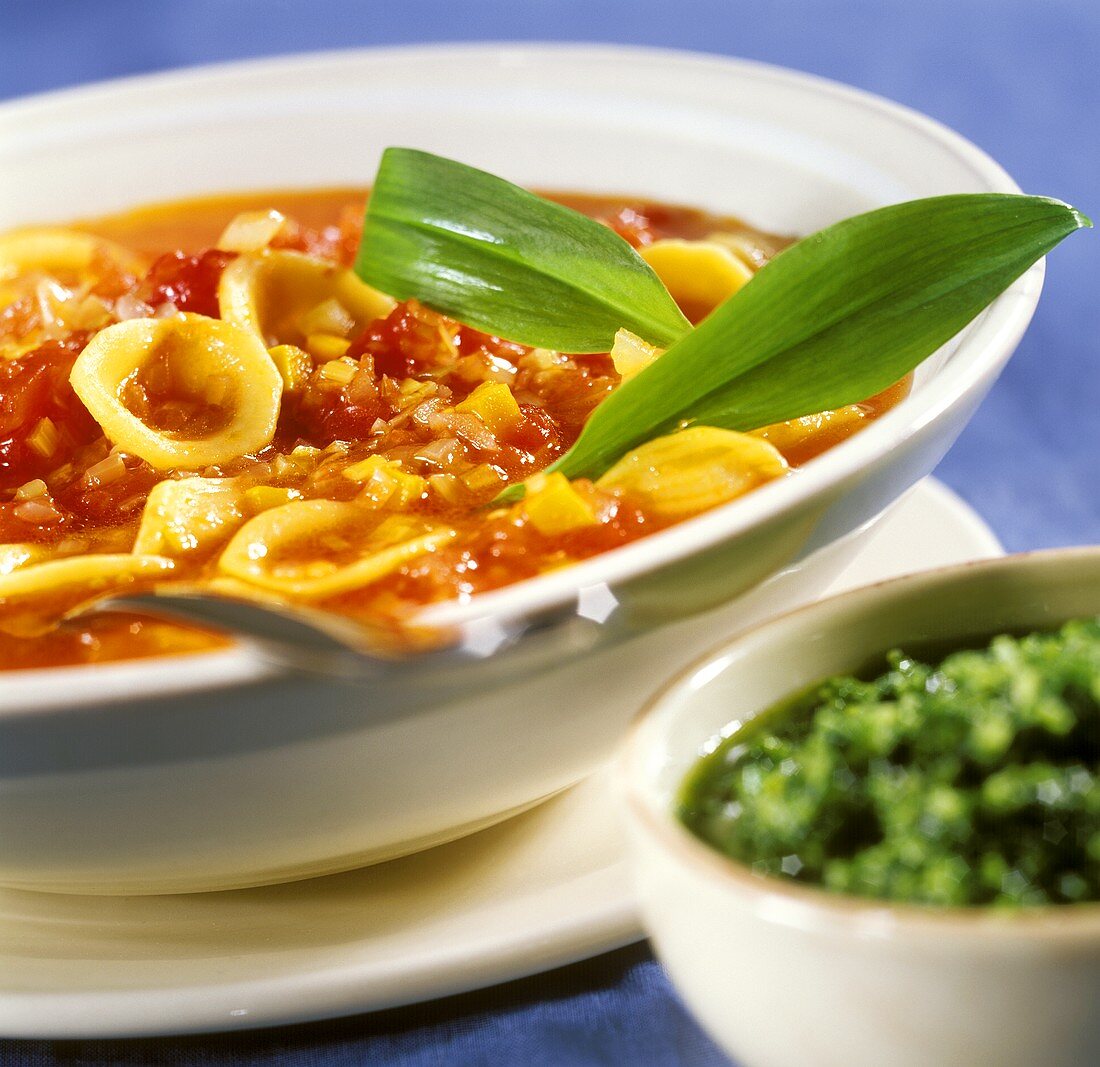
783 973
219 770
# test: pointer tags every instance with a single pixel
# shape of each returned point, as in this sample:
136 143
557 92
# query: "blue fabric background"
1019 78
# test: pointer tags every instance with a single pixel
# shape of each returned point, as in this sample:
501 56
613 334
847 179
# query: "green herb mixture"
973 782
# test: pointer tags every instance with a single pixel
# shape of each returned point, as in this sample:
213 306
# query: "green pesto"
976 781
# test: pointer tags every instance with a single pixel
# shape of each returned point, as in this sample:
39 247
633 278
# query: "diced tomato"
538 431
34 387
188 282
116 502
324 417
471 342
409 339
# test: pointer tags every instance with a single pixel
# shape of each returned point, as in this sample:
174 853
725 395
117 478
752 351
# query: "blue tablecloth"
1019 78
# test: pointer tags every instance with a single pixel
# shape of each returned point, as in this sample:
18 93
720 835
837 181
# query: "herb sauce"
974 781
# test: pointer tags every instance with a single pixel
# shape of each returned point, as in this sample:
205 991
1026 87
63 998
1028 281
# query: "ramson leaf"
500 259
833 319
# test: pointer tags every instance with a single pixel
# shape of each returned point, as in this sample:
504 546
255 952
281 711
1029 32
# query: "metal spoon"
318 642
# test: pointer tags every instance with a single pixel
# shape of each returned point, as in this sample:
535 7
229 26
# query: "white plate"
546 888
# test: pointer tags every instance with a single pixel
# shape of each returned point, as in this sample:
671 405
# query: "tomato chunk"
188 282
32 388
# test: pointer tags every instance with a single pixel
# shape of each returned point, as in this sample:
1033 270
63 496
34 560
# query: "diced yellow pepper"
294 365
365 469
261 497
325 347
483 478
329 316
447 487
493 403
385 482
554 507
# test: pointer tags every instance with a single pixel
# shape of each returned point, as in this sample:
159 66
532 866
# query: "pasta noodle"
189 516
693 470
286 298
199 355
65 255
14 556
278 549
698 274
32 595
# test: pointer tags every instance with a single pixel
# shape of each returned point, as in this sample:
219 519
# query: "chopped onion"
471 429
339 371
439 453
129 306
105 471
251 231
37 512
44 438
30 490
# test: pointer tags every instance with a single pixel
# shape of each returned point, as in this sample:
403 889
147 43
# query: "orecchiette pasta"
698 468
31 596
68 255
286 298
189 516
315 549
698 274
220 370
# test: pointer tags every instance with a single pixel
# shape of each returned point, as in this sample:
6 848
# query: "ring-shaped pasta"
68 255
273 292
33 596
189 517
698 274
687 472
16 554
211 363
284 549
808 430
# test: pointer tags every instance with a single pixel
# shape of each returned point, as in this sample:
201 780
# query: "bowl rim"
989 340
811 906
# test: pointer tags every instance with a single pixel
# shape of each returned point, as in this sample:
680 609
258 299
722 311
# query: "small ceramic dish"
782 973
176 774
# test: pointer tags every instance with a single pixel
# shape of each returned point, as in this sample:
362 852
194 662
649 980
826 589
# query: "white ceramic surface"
783 974
538 891
214 771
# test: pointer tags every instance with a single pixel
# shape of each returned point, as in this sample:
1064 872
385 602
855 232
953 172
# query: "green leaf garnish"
500 259
832 320
835 318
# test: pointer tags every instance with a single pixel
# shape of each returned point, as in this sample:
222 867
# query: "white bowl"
215 770
782 973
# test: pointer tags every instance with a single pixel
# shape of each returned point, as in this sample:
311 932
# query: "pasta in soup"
205 392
